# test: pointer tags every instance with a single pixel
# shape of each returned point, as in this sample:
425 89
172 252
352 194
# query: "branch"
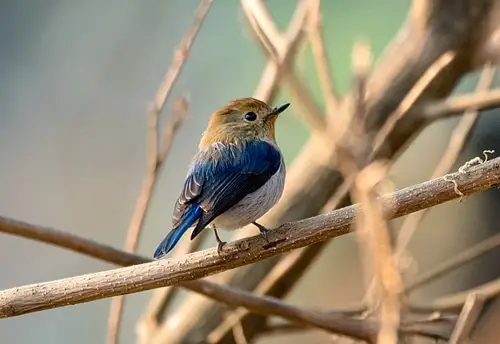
458 104
456 143
325 75
143 201
70 241
421 41
467 319
456 262
416 47
259 19
456 301
373 228
364 329
217 292
194 306
289 236
271 279
157 153
148 326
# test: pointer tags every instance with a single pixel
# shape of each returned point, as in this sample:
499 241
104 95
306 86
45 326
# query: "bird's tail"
171 239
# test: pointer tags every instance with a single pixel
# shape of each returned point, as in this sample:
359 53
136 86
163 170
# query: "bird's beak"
279 109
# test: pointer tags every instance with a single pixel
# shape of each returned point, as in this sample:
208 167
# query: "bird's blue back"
221 175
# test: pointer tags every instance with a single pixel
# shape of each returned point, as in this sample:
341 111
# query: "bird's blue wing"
223 175
219 178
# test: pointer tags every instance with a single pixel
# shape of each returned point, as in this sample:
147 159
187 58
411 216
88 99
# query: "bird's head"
242 119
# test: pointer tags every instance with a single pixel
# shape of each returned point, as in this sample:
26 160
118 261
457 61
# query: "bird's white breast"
254 205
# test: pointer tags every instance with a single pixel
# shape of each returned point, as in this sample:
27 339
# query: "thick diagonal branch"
289 236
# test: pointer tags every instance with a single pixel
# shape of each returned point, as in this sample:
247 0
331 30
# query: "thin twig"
458 104
148 325
344 125
156 153
410 99
361 329
267 283
373 225
458 260
455 301
455 145
325 74
286 328
285 46
239 333
143 201
467 319
289 236
258 18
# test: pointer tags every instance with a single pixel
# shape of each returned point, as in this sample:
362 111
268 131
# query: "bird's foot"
263 230
220 243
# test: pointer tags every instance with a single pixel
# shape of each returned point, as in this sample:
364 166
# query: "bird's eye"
250 116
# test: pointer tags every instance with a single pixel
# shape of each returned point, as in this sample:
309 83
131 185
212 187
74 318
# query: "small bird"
237 175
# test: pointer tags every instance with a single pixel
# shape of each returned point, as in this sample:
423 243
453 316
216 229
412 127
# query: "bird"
237 175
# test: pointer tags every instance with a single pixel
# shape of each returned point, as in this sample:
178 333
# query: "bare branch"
372 226
143 201
458 104
456 143
330 94
180 55
157 153
285 50
274 275
258 17
289 236
409 100
148 326
468 316
456 301
356 328
457 261
70 241
239 334
420 42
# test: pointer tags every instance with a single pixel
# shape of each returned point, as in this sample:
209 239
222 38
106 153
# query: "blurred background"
76 78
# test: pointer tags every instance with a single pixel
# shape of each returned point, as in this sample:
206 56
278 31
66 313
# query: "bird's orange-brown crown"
242 119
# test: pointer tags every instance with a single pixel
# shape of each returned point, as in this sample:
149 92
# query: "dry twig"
467 318
457 261
458 104
148 326
259 19
330 94
456 143
373 228
274 275
157 152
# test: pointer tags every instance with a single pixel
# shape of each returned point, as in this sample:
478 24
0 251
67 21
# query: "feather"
220 176
171 239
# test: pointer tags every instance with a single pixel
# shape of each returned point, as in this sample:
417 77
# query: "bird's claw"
220 244
263 231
